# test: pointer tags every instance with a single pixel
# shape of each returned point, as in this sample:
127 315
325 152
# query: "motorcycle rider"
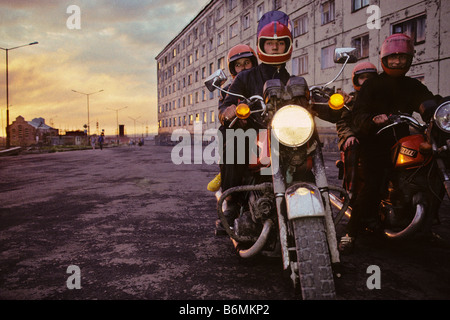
379 97
347 137
241 57
274 49
348 142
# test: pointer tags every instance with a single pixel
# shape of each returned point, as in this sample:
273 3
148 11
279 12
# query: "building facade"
26 133
319 26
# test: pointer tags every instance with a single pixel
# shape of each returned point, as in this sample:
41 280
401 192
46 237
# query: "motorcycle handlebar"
396 119
250 101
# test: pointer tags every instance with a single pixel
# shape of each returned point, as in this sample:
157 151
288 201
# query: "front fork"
279 188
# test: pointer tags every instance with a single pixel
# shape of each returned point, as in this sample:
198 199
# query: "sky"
107 45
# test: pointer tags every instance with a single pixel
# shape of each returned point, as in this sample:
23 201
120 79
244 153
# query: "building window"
301 25
233 30
414 28
232 4
358 4
260 11
326 57
220 38
246 21
362 46
220 13
210 21
191 119
211 44
300 65
327 11
205 117
212 117
221 63
276 4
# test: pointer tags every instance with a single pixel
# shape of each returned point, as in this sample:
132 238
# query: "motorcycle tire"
314 266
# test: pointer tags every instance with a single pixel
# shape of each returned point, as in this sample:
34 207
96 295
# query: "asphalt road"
138 227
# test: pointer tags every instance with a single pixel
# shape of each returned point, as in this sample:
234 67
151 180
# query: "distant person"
101 140
93 141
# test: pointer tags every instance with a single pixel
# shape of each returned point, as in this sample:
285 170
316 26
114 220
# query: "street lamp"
87 96
134 125
8 137
117 119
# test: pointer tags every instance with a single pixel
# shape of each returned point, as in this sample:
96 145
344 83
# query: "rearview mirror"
216 79
341 55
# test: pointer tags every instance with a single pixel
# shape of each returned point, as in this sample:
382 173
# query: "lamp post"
117 119
87 96
8 137
134 125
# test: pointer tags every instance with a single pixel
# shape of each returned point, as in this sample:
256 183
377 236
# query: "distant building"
26 133
319 26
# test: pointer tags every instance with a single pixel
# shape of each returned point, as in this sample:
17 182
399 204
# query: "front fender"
304 200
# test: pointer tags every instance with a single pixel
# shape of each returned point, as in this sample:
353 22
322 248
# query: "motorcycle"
419 179
286 209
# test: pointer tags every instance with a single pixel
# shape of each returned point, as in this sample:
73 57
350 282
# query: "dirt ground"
139 227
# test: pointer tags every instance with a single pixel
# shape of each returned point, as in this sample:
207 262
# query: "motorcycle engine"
261 205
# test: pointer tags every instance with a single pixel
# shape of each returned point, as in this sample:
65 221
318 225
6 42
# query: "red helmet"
396 44
238 52
360 68
274 31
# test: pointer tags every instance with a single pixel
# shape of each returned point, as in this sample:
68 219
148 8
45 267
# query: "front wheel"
314 266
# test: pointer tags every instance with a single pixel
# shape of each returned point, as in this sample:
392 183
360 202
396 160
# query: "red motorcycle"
419 180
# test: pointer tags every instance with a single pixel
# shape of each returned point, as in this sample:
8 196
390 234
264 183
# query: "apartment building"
319 26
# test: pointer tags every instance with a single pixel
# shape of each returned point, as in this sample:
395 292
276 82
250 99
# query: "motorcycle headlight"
442 117
293 125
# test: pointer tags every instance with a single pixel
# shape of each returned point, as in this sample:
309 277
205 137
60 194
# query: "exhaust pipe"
258 245
340 205
412 228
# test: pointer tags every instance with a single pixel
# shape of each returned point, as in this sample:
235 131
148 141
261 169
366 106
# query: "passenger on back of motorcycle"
274 48
241 57
388 93
348 142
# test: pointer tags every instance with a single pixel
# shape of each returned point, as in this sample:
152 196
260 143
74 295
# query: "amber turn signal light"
242 111
336 101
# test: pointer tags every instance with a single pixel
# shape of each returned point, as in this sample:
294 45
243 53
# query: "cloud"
114 50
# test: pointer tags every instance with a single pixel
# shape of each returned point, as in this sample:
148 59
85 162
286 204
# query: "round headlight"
293 125
442 117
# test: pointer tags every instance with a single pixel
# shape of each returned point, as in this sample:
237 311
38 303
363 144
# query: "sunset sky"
114 50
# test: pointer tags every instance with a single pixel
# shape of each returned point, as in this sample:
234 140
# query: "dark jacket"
387 95
251 82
